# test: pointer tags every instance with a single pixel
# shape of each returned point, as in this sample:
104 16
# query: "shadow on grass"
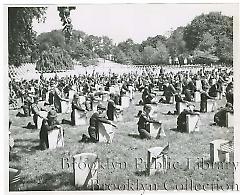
61 181
13 156
136 136
50 182
169 113
30 126
174 129
196 110
141 173
30 148
16 141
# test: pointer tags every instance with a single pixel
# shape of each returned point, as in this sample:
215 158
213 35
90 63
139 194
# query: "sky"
136 21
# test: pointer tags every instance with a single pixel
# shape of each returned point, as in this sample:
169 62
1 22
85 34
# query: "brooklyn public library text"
167 185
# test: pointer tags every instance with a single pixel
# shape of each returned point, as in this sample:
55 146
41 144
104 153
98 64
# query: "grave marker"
197 96
211 104
125 100
85 169
39 119
198 85
105 132
65 107
181 106
156 129
229 119
192 123
80 117
156 161
55 138
216 154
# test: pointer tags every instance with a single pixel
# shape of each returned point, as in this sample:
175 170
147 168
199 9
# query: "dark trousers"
93 134
110 115
168 98
144 134
203 106
43 140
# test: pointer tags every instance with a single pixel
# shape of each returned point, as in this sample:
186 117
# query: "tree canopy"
207 39
207 33
21 36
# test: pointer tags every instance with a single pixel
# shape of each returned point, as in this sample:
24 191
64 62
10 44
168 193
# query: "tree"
160 56
21 36
205 51
54 38
207 43
210 36
152 41
119 55
224 49
204 57
55 58
215 23
147 54
175 43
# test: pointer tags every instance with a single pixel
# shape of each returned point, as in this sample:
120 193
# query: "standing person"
93 129
76 105
35 110
111 107
144 122
47 125
58 98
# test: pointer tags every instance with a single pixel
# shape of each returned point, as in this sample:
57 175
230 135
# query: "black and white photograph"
121 97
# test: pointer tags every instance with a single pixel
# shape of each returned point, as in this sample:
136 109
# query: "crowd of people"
180 86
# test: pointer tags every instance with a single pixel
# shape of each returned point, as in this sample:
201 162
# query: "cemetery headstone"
55 138
80 117
85 169
156 162
216 155
192 123
106 132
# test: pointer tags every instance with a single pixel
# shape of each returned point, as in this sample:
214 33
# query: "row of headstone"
86 166
193 121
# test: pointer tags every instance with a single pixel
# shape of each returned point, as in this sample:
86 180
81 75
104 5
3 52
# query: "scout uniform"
76 104
47 125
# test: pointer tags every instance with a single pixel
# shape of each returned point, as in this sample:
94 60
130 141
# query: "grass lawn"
42 170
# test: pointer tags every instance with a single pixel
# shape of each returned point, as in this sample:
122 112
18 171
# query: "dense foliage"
207 39
21 37
210 38
55 58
